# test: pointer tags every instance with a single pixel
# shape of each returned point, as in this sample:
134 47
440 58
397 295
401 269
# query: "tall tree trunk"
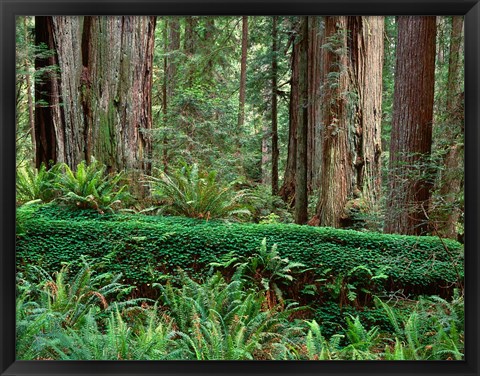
187 111
274 148
243 75
100 101
287 191
172 44
73 85
301 173
451 179
365 52
49 134
208 37
307 43
336 167
190 40
265 153
28 81
313 103
119 56
164 100
350 134
411 140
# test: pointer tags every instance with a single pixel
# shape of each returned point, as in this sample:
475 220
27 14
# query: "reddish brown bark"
48 113
351 97
171 36
411 138
336 161
304 103
302 139
275 151
287 191
451 181
243 75
100 101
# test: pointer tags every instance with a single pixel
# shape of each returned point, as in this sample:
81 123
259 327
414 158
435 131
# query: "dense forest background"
189 187
342 121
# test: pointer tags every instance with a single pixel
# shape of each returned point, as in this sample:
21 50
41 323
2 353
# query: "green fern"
222 320
361 341
196 194
73 297
37 185
267 270
90 187
429 331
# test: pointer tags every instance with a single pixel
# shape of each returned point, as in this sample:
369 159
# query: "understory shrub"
49 305
36 184
145 248
266 270
195 193
215 319
88 186
212 320
432 328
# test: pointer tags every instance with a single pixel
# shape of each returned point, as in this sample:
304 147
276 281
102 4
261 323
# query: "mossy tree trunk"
99 103
29 84
411 140
242 93
274 111
49 130
304 112
287 190
190 39
171 35
243 75
451 181
351 97
302 139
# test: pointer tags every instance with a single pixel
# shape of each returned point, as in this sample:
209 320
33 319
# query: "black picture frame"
10 9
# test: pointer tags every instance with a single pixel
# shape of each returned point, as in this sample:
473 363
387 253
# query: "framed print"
244 187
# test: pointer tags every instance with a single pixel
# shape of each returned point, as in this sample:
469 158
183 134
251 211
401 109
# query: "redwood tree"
450 182
171 34
411 139
301 172
351 97
287 191
49 132
275 151
243 75
303 110
98 104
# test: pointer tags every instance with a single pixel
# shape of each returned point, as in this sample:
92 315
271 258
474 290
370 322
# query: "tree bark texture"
49 130
28 81
301 173
171 36
313 101
266 155
365 52
451 182
100 101
350 136
243 75
411 138
287 191
190 39
336 174
275 151
304 104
